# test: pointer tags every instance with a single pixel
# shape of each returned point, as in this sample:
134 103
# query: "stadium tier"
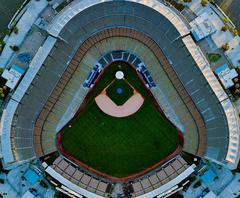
83 39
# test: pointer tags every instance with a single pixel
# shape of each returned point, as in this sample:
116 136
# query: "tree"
234 31
2 95
204 2
235 80
237 91
225 20
226 46
238 69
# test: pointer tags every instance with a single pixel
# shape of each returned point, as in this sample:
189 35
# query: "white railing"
76 7
232 157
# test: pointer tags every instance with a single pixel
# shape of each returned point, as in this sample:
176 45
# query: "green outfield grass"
120 146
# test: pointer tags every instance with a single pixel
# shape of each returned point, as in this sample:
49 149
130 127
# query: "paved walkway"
224 177
233 189
20 185
34 8
6 189
30 46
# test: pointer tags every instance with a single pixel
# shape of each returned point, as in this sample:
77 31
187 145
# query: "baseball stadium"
115 97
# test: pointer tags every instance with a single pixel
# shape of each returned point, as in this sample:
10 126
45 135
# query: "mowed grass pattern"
120 146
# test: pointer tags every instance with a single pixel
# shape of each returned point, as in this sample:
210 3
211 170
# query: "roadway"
231 8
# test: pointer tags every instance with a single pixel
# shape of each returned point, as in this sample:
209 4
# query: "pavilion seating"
80 178
166 173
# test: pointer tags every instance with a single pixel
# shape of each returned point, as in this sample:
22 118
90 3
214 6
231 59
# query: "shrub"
224 28
192 178
32 190
197 184
15 29
1 70
2 42
14 48
7 32
43 184
2 170
1 181
213 57
215 178
57 194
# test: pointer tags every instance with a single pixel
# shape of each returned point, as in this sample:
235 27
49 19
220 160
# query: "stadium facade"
79 38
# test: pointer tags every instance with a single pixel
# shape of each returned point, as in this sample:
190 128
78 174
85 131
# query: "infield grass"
117 98
120 146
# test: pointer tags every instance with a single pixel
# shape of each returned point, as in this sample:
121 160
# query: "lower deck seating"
80 178
86 61
168 172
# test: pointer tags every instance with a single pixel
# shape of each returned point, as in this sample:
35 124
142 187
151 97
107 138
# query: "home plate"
119 75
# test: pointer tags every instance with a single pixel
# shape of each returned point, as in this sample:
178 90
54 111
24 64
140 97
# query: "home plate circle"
119 75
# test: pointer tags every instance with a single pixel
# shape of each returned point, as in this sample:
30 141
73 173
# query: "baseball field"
119 146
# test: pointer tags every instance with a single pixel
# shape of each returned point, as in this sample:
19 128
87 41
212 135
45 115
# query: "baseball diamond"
136 141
